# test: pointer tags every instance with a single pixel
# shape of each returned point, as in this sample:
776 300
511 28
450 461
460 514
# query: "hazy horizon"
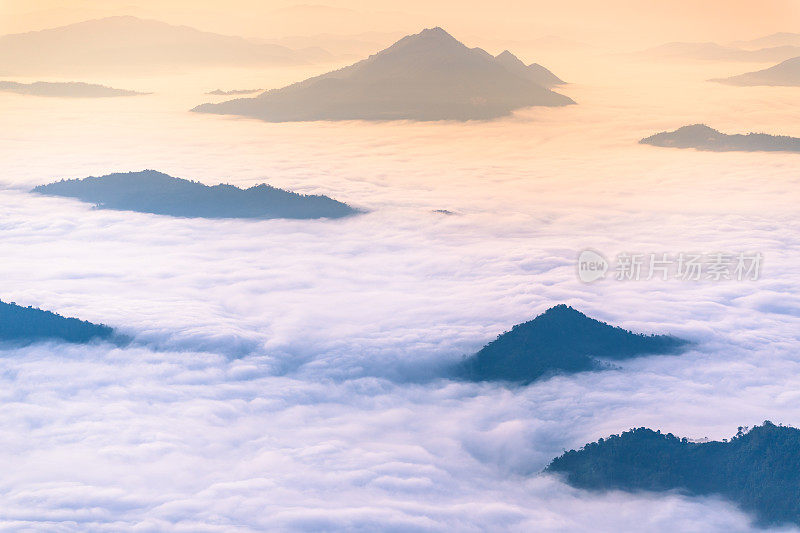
615 23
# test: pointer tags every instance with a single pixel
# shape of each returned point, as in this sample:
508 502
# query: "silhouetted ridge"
533 72
786 73
707 51
154 192
561 340
775 39
427 76
427 38
220 92
24 325
759 469
702 137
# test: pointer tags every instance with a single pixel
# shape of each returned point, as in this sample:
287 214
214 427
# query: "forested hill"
561 340
154 192
25 325
757 469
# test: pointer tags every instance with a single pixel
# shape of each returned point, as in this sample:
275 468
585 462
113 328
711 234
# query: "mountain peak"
426 76
697 128
560 340
533 72
431 37
506 55
563 311
436 31
429 41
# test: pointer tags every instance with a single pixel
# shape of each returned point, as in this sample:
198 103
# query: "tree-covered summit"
561 340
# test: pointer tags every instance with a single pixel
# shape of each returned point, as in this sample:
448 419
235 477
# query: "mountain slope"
533 72
702 137
561 340
233 92
154 192
24 325
759 469
786 73
125 42
427 76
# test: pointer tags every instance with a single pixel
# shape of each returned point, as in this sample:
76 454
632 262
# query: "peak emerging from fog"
533 72
560 340
786 73
436 34
506 55
154 192
426 76
702 137
428 42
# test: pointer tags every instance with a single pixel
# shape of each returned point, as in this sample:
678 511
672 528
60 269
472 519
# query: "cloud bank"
285 373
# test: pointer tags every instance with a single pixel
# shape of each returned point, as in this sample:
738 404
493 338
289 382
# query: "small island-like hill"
702 137
154 192
562 340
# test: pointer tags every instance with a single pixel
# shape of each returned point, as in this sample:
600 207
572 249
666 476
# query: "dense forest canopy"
758 469
25 325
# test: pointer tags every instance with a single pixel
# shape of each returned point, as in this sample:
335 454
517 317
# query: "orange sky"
611 22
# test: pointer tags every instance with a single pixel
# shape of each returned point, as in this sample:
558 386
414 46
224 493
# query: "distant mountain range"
562 340
71 89
25 325
340 46
702 137
123 43
786 73
220 92
717 52
427 76
759 470
775 39
154 192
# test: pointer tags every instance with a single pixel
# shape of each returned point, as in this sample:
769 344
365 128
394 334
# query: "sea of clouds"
287 375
